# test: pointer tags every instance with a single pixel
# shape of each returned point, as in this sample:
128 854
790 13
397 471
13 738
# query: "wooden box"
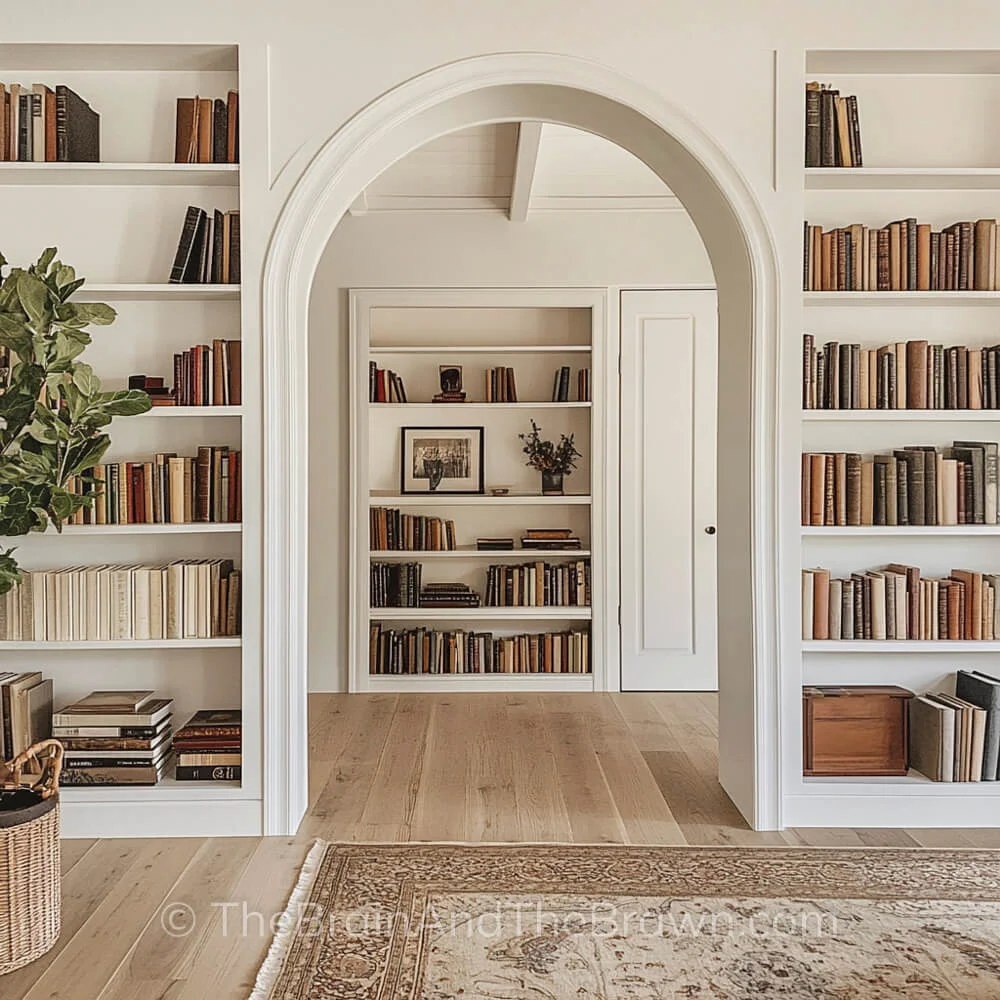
855 730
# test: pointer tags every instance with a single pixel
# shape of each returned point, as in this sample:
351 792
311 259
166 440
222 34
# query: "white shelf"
460 500
849 646
902 179
73 57
228 642
195 528
902 62
913 783
897 416
447 349
450 683
529 555
482 614
163 291
167 789
900 298
197 412
569 404
122 174
926 531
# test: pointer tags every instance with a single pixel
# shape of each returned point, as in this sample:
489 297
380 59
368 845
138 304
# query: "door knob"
710 530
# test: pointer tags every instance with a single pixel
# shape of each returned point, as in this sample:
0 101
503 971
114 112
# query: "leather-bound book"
916 374
205 117
884 253
867 493
828 128
932 738
233 127
853 465
854 124
813 137
923 257
821 604
985 255
220 120
78 128
186 131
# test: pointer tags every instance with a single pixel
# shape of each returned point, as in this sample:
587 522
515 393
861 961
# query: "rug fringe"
268 974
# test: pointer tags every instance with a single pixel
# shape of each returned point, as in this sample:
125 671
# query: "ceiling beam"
529 136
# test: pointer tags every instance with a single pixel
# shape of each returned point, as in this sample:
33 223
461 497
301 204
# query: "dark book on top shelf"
208 250
833 131
44 125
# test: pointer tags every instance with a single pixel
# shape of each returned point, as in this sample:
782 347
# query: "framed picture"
441 460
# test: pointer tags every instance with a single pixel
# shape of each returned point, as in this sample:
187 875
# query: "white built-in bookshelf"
946 170
412 332
117 222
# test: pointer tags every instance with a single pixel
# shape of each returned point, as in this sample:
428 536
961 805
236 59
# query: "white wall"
440 249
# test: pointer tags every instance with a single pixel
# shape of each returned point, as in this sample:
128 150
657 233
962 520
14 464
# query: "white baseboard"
162 819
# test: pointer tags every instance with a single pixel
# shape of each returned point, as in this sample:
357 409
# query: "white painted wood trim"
329 181
529 138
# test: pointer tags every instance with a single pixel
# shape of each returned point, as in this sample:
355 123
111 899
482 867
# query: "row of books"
209 746
561 385
186 599
500 385
208 250
395 585
910 375
39 124
385 386
896 602
911 486
833 131
957 737
429 651
390 530
540 584
170 489
209 375
207 130
25 711
903 256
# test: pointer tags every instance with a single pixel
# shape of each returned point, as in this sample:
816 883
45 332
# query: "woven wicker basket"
30 900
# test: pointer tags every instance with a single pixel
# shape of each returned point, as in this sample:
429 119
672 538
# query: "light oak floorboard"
631 768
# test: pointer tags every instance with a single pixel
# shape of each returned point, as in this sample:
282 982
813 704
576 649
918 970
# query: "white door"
669 343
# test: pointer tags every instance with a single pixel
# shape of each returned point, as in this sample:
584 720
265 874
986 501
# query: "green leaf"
98 313
125 402
85 380
34 297
46 258
84 457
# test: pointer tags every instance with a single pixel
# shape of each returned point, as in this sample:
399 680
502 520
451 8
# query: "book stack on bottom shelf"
115 738
209 746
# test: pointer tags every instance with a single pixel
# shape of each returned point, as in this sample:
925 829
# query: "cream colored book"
204 602
140 603
807 604
157 580
104 603
877 604
189 600
173 601
175 468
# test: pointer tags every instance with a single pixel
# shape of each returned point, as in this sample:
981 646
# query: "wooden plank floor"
463 767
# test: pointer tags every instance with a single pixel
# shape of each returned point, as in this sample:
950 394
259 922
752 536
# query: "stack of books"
208 746
385 386
495 544
41 125
448 595
171 489
833 132
209 376
208 250
395 585
115 738
911 375
430 651
914 485
187 599
154 386
208 131
896 602
554 539
957 737
903 256
538 585
391 530
500 385
25 711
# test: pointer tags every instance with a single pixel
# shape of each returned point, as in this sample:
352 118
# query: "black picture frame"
413 439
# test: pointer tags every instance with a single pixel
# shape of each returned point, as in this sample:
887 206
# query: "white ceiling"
556 169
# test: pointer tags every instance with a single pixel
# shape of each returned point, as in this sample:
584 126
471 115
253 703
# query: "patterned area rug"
439 922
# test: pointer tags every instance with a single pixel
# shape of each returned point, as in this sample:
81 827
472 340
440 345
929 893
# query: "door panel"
668 479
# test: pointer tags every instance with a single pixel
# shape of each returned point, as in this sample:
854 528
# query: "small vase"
552 484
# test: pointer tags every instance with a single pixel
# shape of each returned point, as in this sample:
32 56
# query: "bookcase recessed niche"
412 332
945 170
117 222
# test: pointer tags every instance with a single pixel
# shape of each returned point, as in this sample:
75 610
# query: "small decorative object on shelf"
553 461
896 602
31 901
855 731
208 251
902 256
450 377
209 746
441 460
53 412
833 132
499 491
41 125
207 131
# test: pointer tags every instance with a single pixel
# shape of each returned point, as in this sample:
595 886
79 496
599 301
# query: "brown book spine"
204 130
853 512
840 488
916 374
806 490
821 604
185 135
233 127
818 485
203 485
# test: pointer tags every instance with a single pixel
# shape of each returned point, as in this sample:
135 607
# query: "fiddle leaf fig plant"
53 413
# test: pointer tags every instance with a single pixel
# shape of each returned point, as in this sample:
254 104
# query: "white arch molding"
583 94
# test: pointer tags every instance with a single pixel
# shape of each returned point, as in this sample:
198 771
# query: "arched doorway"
514 87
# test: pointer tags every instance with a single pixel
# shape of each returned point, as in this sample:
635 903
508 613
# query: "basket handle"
48 753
